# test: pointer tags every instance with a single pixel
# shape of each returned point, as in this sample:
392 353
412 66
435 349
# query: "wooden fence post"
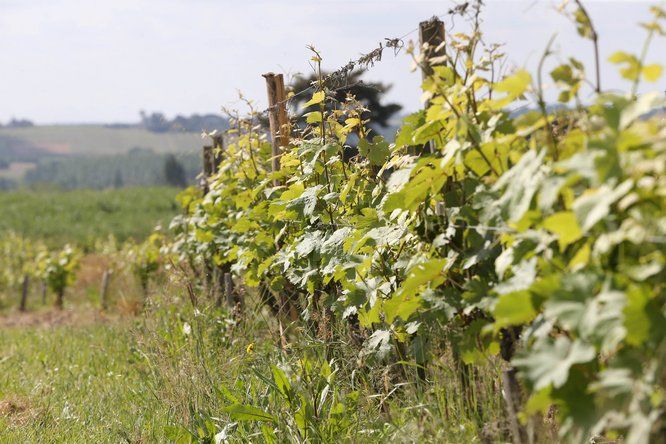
43 290
277 117
24 293
431 36
218 148
104 290
512 400
207 159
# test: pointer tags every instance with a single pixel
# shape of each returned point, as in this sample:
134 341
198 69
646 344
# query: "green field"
82 216
100 140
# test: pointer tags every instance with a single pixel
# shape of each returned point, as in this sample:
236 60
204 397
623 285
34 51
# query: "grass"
98 140
175 374
82 216
74 383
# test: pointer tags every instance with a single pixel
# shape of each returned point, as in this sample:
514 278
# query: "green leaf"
432 272
593 206
519 186
400 306
281 381
514 309
376 152
241 412
305 204
564 74
378 344
565 225
427 177
524 274
516 84
636 319
550 362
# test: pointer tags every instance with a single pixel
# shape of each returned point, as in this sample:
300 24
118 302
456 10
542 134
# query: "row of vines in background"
534 239
26 263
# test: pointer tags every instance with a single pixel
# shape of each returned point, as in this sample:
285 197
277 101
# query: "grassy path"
73 380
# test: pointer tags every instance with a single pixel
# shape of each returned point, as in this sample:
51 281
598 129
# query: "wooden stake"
511 394
218 147
43 290
229 290
431 35
104 290
277 117
60 299
24 293
207 167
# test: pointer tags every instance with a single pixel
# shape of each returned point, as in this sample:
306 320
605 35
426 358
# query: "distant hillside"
13 149
93 156
91 140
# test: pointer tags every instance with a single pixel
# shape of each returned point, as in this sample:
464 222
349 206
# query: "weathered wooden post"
104 290
279 125
207 171
218 148
431 36
24 293
60 299
43 290
277 117
207 158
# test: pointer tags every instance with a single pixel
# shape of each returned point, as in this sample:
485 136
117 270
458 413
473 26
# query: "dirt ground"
51 318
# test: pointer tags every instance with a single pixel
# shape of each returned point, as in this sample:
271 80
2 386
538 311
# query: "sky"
86 61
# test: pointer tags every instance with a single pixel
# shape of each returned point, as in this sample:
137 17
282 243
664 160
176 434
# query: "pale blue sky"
104 60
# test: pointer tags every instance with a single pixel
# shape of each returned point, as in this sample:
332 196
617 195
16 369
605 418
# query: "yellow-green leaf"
652 72
581 258
317 98
241 412
565 226
515 84
313 117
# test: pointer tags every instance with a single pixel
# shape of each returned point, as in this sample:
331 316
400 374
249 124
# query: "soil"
51 318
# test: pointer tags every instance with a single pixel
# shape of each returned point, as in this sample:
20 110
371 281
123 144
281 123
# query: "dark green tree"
174 173
369 94
118 179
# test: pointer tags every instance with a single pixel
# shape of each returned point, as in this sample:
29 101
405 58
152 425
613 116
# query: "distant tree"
369 94
20 123
118 179
198 123
174 173
155 122
158 123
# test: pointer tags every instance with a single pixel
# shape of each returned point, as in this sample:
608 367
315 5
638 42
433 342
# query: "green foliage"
144 259
58 268
82 217
506 225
